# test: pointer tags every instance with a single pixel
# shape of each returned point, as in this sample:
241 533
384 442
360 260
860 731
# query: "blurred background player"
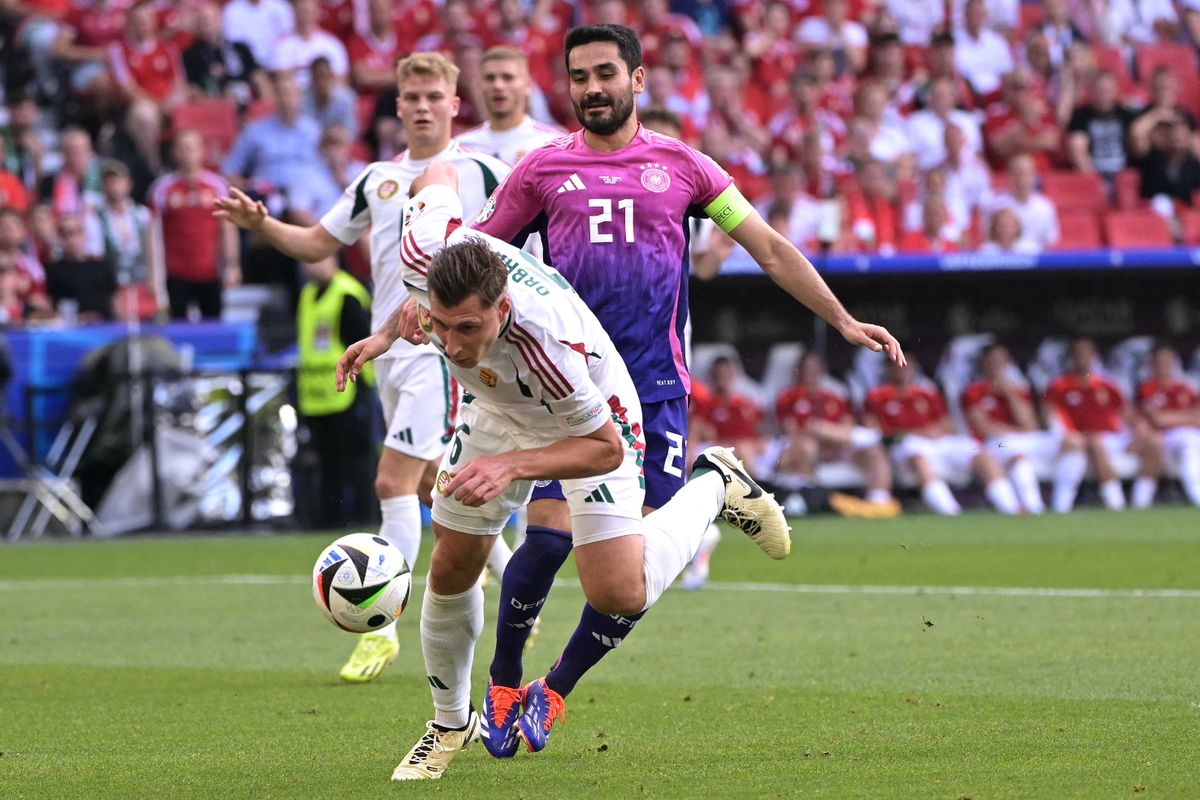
414 386
913 417
1000 411
1172 406
611 202
818 425
509 132
1085 401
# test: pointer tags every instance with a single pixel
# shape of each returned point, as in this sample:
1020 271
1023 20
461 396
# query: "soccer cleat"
543 707
501 708
370 658
430 755
747 507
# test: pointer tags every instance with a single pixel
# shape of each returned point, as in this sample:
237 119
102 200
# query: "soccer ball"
361 582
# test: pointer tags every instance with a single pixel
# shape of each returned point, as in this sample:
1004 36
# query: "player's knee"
620 603
1073 442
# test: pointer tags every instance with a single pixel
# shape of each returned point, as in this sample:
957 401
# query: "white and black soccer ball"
361 582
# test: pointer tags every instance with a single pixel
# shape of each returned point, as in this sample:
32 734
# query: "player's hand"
409 326
875 337
483 479
351 364
239 209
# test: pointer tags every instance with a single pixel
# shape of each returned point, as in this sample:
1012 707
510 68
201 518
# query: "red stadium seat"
215 119
1079 229
1179 57
1136 229
1128 184
1189 223
1070 190
1112 59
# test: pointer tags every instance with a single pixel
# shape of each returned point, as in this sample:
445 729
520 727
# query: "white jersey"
554 370
375 200
510 146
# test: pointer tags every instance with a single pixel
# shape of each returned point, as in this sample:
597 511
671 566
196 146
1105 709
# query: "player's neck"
419 153
502 124
614 141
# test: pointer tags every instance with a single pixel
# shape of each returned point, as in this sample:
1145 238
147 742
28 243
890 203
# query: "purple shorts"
665 428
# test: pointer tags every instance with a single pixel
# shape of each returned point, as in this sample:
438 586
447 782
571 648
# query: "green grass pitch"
199 667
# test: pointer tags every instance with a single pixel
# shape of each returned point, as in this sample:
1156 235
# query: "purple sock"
523 591
596 636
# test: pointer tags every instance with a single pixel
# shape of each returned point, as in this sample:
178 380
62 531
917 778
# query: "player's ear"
398 114
455 104
639 80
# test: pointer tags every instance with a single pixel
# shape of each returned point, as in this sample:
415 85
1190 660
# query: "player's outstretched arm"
796 275
402 324
307 244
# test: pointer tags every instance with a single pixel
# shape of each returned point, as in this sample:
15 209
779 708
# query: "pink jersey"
615 226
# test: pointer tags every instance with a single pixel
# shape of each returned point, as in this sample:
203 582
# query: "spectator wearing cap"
148 76
258 24
981 54
1039 218
126 227
1098 131
216 66
77 276
295 52
275 151
927 128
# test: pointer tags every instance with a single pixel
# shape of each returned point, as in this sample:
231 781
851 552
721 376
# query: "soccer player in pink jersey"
612 204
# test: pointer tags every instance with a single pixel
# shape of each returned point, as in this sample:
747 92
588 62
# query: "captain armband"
729 209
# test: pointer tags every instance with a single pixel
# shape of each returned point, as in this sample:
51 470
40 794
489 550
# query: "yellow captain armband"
729 209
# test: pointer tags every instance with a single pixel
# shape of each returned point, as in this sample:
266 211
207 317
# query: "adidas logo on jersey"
600 495
571 184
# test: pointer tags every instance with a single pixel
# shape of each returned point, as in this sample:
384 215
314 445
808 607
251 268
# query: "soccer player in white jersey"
414 386
509 132
547 396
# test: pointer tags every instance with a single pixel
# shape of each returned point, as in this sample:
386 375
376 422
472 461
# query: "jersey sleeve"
350 216
569 391
715 192
429 218
514 205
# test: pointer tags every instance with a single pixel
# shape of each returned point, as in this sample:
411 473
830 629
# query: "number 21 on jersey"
601 224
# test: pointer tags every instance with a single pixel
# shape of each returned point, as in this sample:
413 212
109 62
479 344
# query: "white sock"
1002 497
498 558
1189 471
402 527
1024 480
1112 495
879 496
1068 474
519 525
1144 489
937 495
450 625
673 533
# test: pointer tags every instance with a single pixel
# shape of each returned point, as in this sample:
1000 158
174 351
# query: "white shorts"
1176 441
1116 444
419 401
1038 446
616 495
946 454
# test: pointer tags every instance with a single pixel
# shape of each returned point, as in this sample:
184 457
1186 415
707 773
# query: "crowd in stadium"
856 126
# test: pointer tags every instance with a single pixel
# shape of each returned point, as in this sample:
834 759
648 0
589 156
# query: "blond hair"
434 65
503 52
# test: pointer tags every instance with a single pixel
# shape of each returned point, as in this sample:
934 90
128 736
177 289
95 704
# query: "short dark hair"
624 38
465 269
657 115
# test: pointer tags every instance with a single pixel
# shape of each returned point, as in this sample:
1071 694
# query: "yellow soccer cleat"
430 755
747 507
370 658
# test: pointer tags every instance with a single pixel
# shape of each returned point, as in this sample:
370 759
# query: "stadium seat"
1128 194
1189 224
1112 59
216 120
1070 190
1136 229
1179 57
1079 229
